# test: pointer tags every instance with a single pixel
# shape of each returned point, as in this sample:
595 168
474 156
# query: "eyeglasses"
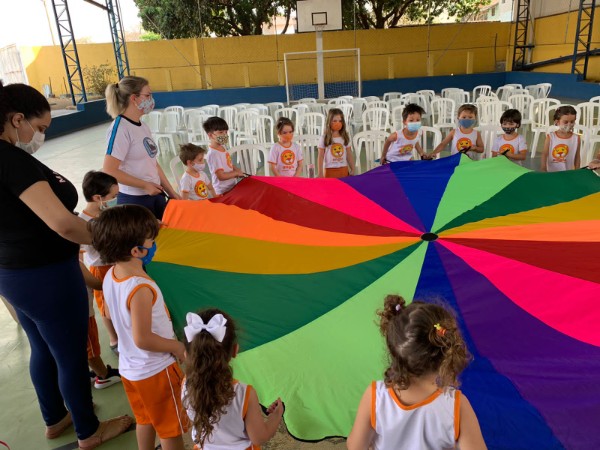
145 95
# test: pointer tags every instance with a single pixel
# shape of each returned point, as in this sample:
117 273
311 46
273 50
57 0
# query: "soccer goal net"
321 75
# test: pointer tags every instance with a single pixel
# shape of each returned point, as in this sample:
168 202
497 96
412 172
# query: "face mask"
466 123
151 251
146 106
36 141
108 204
509 130
413 126
222 139
336 126
566 128
199 167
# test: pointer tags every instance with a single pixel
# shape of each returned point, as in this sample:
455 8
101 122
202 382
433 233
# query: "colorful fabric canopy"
303 265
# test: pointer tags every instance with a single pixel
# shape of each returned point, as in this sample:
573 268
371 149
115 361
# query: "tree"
387 13
194 18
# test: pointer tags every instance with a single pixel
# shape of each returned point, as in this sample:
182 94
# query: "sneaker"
112 377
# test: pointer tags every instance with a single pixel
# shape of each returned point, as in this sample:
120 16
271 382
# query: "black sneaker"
112 377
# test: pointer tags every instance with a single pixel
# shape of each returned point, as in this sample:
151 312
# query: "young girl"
561 148
286 157
224 413
464 137
417 406
511 144
335 154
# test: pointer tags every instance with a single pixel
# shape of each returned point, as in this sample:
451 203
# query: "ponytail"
117 94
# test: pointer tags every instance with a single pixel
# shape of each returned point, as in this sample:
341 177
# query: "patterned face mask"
222 139
146 106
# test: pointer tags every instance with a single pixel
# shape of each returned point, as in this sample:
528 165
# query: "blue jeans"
155 203
51 303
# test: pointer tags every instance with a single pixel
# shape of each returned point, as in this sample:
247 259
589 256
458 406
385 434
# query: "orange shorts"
93 343
99 272
156 401
337 172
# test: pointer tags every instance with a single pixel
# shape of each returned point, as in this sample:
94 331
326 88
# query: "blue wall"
563 85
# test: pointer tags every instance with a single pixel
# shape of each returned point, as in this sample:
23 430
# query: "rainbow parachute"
303 264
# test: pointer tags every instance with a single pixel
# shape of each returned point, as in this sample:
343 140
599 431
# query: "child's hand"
276 408
179 352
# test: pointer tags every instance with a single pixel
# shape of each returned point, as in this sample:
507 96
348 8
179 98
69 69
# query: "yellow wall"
258 60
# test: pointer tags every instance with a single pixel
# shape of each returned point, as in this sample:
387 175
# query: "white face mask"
146 106
566 128
199 167
36 141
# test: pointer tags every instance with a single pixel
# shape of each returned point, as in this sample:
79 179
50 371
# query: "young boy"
222 171
403 142
464 138
194 184
562 147
511 144
124 236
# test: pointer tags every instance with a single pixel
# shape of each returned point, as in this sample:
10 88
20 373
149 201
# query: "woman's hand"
152 188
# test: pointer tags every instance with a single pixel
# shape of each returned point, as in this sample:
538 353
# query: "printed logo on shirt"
229 163
59 177
288 157
560 152
201 190
337 151
463 143
506 147
406 149
150 147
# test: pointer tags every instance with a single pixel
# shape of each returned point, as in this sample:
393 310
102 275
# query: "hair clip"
440 330
398 307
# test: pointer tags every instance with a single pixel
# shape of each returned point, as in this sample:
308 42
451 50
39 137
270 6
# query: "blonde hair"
329 132
117 94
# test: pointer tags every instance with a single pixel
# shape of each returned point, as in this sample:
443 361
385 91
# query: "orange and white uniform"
402 148
286 159
195 186
220 160
335 154
230 432
432 423
561 154
514 146
461 141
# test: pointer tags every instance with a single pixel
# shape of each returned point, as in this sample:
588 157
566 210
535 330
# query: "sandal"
107 430
54 431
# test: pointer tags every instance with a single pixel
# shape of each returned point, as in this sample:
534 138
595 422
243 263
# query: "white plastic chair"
371 144
210 110
187 114
274 106
376 119
428 136
228 113
153 120
170 121
478 91
595 99
338 101
522 103
586 149
346 109
459 96
248 158
358 107
488 136
314 123
197 133
514 85
378 104
264 130
245 126
301 110
540 118
503 92
428 94
260 108
490 112
418 99
391 95
166 143
241 106
307 100
309 143
371 98
546 88
317 107
177 169
396 118
589 115
178 109
443 113
290 113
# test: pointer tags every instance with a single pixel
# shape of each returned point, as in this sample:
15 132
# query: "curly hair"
209 377
417 347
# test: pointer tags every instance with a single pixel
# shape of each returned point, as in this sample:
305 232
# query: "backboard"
324 15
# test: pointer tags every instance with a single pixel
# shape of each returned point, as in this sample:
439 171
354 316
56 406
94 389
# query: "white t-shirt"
431 424
132 144
91 257
220 160
514 146
230 432
286 159
561 155
197 186
335 154
134 363
461 140
402 148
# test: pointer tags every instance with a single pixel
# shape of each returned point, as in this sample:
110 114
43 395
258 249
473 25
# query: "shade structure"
303 265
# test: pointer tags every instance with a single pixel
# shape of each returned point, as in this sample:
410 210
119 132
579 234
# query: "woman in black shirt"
39 269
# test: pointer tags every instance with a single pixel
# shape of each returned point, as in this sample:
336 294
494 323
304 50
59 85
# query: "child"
403 142
511 144
224 412
194 184
100 191
124 235
561 148
222 171
417 406
464 138
286 157
335 154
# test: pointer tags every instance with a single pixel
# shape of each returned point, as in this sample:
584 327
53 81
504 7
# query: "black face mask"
508 130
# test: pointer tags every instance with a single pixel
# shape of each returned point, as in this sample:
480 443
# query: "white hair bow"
215 326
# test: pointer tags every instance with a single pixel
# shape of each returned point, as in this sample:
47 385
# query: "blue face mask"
108 204
413 126
151 251
466 123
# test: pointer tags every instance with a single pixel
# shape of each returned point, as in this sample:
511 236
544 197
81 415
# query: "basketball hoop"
319 28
